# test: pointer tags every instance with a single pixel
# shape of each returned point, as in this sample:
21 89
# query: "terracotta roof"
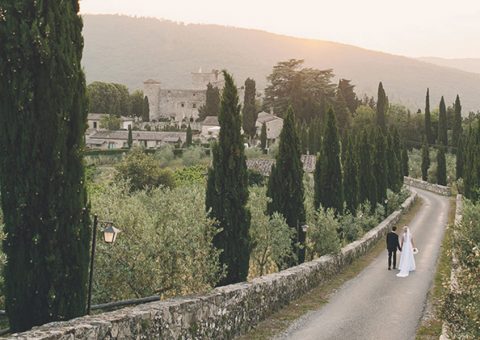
264 165
151 81
264 117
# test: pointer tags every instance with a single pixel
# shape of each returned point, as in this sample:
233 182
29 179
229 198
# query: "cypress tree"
304 138
342 113
188 141
428 120
397 149
328 177
472 164
457 123
285 185
130 137
393 164
442 124
367 183
425 160
380 165
381 107
212 103
146 110
249 113
263 137
405 167
348 93
227 189
43 113
459 161
441 167
350 177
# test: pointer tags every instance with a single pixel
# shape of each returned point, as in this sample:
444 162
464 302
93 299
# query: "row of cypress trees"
468 162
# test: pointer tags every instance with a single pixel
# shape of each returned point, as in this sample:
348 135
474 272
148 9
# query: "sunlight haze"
413 28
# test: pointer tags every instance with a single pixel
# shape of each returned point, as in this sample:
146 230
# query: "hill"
464 64
130 50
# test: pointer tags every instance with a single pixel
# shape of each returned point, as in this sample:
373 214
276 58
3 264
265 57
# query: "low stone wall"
453 279
221 314
418 183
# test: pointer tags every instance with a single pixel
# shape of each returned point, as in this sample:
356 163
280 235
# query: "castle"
180 104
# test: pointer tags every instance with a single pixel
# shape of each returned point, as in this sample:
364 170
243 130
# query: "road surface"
376 304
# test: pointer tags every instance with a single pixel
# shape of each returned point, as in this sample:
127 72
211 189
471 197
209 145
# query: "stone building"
273 123
180 104
105 140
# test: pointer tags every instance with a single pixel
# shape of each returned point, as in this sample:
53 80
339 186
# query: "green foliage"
146 110
382 107
348 93
322 234
457 123
425 161
461 308
442 124
143 171
255 178
188 141
368 184
328 169
441 167
249 113
164 155
43 111
195 174
315 136
285 185
227 189
212 103
271 236
130 137
472 163
193 156
384 169
136 103
252 153
405 170
165 245
342 113
110 122
364 118
110 98
459 159
307 90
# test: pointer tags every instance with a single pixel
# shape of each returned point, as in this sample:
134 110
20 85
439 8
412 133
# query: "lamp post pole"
92 256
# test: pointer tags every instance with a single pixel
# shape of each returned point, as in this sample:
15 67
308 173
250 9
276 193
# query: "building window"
183 104
194 105
94 125
194 94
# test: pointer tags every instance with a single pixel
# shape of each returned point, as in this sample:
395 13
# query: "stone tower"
201 79
151 89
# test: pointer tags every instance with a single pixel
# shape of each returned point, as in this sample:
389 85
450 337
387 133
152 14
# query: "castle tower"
151 89
201 79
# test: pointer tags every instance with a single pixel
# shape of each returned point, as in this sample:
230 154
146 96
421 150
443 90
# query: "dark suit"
392 245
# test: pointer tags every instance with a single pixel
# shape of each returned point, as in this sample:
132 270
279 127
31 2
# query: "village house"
118 139
94 119
273 123
210 127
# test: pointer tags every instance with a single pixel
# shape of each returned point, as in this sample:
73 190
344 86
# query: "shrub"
322 234
191 175
193 156
164 155
255 178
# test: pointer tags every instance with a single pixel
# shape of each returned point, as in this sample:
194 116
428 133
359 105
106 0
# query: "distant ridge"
130 50
464 64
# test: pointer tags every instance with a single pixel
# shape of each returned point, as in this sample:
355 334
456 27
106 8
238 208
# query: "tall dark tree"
249 113
459 162
457 123
471 170
367 183
314 136
397 150
43 111
130 137
188 141
428 120
347 90
350 177
442 124
382 106
441 167
303 138
380 164
425 160
285 185
146 110
212 103
393 164
342 113
405 165
227 189
328 170
263 137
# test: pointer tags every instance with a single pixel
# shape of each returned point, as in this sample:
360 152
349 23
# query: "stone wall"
418 183
222 313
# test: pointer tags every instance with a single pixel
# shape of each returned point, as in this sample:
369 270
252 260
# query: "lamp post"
110 234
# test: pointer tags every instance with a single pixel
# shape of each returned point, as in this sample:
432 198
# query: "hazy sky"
443 28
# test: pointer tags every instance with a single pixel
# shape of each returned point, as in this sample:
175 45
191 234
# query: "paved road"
376 304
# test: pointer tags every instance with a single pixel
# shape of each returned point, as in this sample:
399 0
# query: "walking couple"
407 249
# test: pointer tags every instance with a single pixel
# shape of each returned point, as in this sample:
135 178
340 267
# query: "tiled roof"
210 121
264 117
99 116
264 165
140 135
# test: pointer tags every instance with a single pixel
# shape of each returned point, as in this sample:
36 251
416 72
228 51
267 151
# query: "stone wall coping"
435 188
221 313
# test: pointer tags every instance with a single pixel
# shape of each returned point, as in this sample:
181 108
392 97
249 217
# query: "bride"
407 261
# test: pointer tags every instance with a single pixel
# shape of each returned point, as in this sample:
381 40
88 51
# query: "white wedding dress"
407 261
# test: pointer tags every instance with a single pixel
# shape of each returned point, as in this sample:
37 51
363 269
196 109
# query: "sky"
414 28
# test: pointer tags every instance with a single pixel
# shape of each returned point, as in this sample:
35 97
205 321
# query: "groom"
392 245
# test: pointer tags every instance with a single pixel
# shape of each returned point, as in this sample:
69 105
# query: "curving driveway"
376 304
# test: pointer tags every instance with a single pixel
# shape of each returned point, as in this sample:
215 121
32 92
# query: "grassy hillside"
464 64
129 50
